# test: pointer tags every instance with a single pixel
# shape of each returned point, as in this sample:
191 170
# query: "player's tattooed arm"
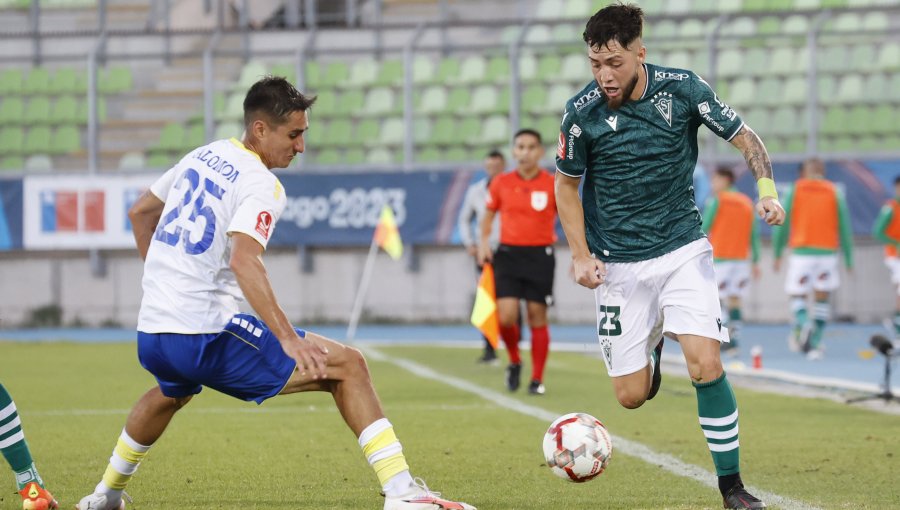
751 146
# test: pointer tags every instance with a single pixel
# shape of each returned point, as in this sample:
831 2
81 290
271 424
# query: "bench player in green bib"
635 233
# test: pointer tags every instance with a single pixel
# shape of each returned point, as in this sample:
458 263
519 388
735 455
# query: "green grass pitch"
294 452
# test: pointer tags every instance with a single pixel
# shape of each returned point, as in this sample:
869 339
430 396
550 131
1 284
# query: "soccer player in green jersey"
635 236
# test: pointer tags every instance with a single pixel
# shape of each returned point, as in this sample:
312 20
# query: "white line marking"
261 410
622 445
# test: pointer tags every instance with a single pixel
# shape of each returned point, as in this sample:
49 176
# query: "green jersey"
638 162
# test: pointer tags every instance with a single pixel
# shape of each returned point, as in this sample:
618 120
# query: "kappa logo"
613 121
575 130
588 98
663 103
264 224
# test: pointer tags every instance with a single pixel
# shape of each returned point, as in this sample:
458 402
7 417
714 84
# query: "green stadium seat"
83 110
539 34
894 88
12 111
875 22
421 130
159 159
755 5
423 70
458 100
172 137
390 73
443 131
286 70
795 145
457 155
827 88
534 97
742 92
429 155
472 70
692 28
785 121
354 156
484 99
312 75
807 4
67 139
859 120
547 126
740 26
363 73
675 7
338 133
380 156
497 70
447 70
679 58
12 138
234 106
832 58
889 56
380 101
700 62
780 5
69 81
567 33
729 6
769 25
226 130
495 130
579 9
844 22
575 68
549 67
38 140
39 163
730 62
557 97
504 100
115 80
336 74
393 132
11 82
65 111
547 9
834 121
704 6
468 130
367 132
795 24
38 110
12 163
783 60
769 91
663 29
327 157
38 81
757 118
850 89
795 90
132 161
195 136
883 120
351 102
433 100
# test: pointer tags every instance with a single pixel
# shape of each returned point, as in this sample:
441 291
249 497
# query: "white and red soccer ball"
577 447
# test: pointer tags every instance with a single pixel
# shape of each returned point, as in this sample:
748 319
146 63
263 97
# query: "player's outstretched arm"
754 152
588 271
144 216
247 265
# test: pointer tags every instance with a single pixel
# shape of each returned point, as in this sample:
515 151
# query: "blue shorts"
245 360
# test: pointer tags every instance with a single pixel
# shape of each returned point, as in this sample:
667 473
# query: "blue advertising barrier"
11 214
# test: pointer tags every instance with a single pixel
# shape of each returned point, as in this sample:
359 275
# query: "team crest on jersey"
606 348
663 103
539 200
264 224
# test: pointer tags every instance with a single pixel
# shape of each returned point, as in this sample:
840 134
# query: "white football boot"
421 497
98 501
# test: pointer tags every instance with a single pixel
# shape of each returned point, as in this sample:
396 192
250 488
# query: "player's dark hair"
724 171
274 98
529 131
496 154
897 180
615 22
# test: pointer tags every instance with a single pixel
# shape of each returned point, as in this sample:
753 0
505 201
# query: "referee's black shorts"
525 272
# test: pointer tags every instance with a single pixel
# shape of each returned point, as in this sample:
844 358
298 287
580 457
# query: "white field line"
261 410
622 445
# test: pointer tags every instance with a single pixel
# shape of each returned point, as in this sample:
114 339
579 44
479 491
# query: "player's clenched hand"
310 356
589 271
770 210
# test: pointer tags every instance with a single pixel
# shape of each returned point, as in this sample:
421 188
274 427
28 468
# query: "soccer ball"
577 447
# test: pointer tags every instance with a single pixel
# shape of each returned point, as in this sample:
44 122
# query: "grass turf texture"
295 453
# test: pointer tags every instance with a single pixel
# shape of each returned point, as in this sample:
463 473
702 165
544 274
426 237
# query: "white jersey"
215 190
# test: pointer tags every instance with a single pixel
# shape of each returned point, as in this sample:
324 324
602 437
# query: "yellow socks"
385 454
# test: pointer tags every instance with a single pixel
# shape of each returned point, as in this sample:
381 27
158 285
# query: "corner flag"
387 235
484 313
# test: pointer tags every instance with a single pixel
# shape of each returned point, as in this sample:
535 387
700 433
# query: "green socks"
717 408
821 314
13 445
735 322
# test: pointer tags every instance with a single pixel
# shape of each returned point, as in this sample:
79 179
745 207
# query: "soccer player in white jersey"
201 230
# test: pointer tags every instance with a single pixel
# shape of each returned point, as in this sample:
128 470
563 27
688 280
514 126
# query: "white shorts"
674 294
893 264
733 277
812 272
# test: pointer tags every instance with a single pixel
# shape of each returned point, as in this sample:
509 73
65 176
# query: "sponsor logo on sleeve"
705 110
588 98
264 224
575 130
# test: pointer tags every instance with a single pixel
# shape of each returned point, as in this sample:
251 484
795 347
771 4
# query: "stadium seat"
796 24
195 136
235 129
115 80
327 157
132 161
443 131
769 25
844 22
730 62
784 121
860 120
433 100
827 86
338 133
380 156
66 140
549 67
171 137
497 70
495 130
423 70
538 34
807 4
65 111
421 130
351 102
740 26
692 28
158 159
68 81
468 130
504 101
547 126
458 101
575 68
458 155
392 132
363 73
534 97
663 29
380 101
769 91
679 58
353 156
39 163
83 110
889 56
742 92
568 34
38 110
795 90
12 139
755 5
38 81
577 9
12 163
557 97
12 110
312 75
547 9
472 70
447 70
11 82
484 99
429 155
38 140
285 70
336 74
850 89
390 73
783 60
367 132
875 22
234 106
729 6
834 121
832 58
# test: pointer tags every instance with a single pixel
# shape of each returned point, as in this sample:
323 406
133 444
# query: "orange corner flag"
387 235
484 313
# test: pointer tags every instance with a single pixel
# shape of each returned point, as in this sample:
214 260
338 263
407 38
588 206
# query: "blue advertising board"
11 214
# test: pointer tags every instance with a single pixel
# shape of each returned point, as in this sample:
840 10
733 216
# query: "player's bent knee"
706 369
630 399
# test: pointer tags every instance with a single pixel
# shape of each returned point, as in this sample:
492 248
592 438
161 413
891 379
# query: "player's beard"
615 104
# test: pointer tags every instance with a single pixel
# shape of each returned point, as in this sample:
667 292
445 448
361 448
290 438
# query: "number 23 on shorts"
609 321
